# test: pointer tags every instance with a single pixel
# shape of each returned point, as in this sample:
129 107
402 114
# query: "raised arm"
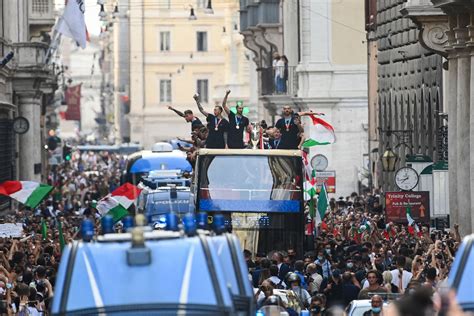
306 113
176 111
196 98
224 102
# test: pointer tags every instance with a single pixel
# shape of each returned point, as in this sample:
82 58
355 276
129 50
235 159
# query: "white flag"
72 23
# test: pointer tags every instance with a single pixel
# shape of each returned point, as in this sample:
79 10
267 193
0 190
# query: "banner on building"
396 204
73 100
328 178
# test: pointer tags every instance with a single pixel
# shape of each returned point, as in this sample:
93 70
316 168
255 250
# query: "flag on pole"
72 23
44 229
409 218
62 241
322 133
117 203
26 192
323 204
307 166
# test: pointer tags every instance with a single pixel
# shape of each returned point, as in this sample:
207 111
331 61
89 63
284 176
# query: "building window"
201 38
165 90
165 41
201 4
203 90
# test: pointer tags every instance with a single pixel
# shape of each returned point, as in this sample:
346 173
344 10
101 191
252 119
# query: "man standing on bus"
290 129
238 123
188 117
217 125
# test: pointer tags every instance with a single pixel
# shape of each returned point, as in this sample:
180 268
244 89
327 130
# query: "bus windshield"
246 183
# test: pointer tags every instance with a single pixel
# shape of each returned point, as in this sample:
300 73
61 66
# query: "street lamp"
389 160
102 13
209 9
192 16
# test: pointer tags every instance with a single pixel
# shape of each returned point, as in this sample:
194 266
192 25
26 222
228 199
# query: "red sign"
73 100
396 204
328 178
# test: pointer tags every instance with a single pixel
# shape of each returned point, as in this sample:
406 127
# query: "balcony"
41 13
271 86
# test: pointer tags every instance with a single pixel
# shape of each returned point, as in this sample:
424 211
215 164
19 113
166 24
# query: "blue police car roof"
461 278
185 274
150 161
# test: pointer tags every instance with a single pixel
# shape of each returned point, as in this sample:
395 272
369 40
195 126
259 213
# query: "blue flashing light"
202 220
127 222
218 224
171 221
260 313
107 222
87 230
189 223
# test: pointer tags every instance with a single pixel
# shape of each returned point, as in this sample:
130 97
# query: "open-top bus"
259 191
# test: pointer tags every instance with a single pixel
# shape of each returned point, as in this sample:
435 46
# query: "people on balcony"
280 65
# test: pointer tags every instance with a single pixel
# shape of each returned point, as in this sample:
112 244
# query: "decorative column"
452 124
470 44
463 121
30 142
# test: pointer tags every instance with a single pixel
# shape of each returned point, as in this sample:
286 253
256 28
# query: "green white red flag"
321 134
117 202
412 226
323 204
28 193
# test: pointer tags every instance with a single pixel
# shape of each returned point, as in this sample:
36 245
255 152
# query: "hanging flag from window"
72 23
73 100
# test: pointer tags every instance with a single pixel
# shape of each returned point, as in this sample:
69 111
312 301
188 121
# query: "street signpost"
328 178
396 204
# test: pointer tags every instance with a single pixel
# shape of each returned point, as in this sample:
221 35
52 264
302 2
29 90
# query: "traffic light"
67 153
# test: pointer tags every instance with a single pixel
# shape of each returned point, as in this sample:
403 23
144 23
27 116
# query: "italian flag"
322 133
28 193
307 166
117 202
323 204
412 226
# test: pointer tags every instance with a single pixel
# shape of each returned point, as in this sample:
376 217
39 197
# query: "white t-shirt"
406 278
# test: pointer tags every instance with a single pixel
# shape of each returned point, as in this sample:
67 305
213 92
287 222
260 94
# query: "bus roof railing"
250 152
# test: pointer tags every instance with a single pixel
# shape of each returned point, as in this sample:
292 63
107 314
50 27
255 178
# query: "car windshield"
223 180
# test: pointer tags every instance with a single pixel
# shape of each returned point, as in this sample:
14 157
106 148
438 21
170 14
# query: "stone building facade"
405 89
322 75
449 29
27 86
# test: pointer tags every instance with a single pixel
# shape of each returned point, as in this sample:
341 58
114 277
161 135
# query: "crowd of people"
358 255
28 265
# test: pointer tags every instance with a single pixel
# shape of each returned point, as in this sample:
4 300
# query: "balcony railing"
41 12
279 81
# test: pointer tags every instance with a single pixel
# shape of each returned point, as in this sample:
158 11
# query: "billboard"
327 177
396 204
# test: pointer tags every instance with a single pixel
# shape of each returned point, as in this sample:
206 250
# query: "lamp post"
192 16
389 160
209 9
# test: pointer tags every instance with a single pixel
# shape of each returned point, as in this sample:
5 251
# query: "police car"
461 278
177 271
